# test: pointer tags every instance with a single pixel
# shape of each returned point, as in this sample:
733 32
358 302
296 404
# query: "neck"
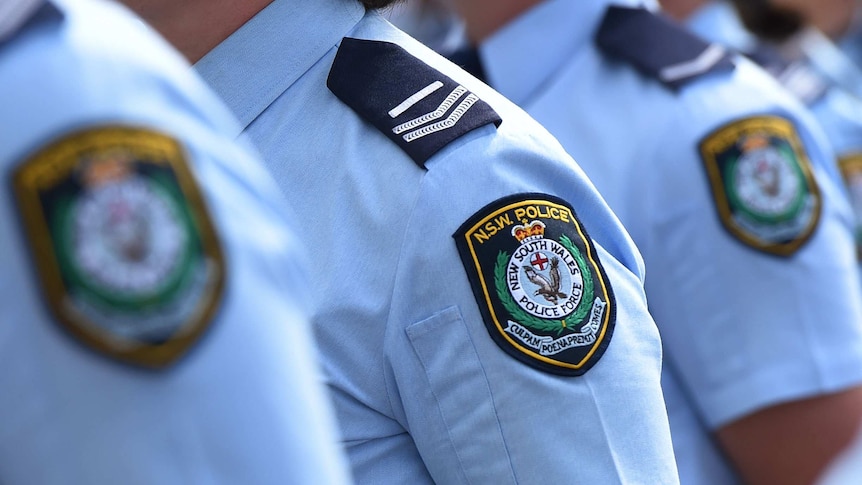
484 17
195 27
681 10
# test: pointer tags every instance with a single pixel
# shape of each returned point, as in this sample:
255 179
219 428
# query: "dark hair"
372 4
768 21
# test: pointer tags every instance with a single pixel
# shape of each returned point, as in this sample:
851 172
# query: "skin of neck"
680 10
484 17
195 27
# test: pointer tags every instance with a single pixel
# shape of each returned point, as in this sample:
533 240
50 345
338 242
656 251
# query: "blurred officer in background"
482 317
802 30
805 62
723 181
152 327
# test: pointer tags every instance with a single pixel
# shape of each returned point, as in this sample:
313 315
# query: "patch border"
850 165
56 161
711 144
514 348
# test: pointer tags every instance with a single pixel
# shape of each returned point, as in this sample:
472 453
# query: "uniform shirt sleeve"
744 329
245 405
464 400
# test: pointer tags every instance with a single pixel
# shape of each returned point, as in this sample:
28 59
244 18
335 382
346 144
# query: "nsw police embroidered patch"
127 255
543 293
761 179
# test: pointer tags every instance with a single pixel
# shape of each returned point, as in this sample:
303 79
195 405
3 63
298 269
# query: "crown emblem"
535 230
106 168
754 142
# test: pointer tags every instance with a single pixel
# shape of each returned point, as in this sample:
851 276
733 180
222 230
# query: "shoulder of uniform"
798 77
413 104
658 47
18 12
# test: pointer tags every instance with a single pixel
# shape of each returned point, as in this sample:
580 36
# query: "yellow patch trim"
55 164
563 214
728 136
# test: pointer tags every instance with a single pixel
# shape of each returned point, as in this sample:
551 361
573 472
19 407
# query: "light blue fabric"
741 330
718 22
839 112
851 42
422 392
246 404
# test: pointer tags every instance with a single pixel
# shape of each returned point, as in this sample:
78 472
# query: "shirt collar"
264 57
718 22
521 57
13 14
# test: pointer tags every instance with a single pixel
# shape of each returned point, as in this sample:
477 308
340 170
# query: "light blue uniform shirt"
851 42
245 403
422 392
837 110
742 330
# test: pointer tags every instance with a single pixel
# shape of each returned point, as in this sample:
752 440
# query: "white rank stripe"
437 113
419 96
449 122
702 63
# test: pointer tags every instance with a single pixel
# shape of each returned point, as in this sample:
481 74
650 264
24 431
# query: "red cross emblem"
539 261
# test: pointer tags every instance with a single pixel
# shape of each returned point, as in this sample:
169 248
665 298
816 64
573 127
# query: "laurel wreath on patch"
534 322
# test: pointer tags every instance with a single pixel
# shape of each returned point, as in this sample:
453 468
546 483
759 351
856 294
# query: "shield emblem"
127 255
762 184
542 290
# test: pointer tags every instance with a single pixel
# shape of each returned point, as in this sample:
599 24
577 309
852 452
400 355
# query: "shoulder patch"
851 170
543 293
127 255
658 47
413 104
762 183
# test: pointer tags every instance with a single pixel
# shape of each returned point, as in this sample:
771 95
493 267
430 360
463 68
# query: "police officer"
153 328
482 316
804 62
724 184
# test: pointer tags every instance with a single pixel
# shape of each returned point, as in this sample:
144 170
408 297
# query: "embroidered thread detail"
437 113
449 122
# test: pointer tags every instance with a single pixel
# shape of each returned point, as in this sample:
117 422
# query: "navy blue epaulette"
658 47
18 16
413 104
